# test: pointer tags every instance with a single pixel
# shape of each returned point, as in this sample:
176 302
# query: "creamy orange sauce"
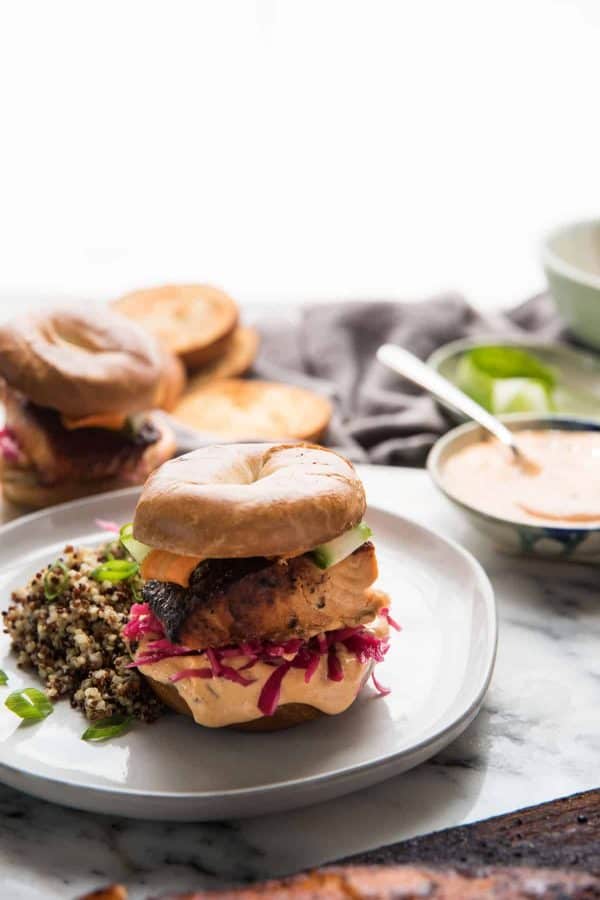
216 702
112 421
563 489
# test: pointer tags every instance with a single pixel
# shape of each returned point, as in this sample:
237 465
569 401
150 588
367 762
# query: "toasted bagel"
21 486
241 500
81 363
172 383
194 321
241 409
238 355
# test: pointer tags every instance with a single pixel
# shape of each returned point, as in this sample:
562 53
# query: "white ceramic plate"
438 667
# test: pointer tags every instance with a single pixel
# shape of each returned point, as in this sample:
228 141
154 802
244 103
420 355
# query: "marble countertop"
537 738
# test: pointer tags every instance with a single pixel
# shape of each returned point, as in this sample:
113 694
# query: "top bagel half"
243 500
194 321
81 363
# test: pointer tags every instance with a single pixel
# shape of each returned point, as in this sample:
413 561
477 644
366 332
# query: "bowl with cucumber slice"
521 376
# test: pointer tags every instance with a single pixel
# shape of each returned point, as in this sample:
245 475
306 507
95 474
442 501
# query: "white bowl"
571 260
573 542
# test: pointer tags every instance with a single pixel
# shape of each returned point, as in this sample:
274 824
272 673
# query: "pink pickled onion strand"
9 446
364 645
312 667
142 621
249 664
148 659
339 636
191 673
107 525
214 662
268 700
335 671
382 690
164 645
155 651
232 674
386 615
231 651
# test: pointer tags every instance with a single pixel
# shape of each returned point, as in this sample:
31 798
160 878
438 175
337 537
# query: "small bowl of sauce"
549 509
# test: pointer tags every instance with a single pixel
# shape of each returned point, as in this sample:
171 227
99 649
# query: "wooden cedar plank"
564 833
412 883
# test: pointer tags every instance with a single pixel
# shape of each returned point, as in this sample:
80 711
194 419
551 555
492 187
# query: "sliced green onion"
135 548
115 570
104 729
53 589
3 677
333 552
29 704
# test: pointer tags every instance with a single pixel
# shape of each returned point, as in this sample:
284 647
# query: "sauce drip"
217 702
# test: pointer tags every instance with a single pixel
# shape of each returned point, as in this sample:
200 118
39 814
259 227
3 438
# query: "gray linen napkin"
380 417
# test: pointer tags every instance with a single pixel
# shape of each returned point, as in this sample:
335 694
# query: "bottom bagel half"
26 484
285 716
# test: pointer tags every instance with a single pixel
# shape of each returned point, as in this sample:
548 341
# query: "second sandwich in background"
79 388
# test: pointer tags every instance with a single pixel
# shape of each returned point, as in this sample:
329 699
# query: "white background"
293 149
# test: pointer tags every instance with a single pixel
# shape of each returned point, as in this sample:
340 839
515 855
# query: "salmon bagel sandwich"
77 389
258 609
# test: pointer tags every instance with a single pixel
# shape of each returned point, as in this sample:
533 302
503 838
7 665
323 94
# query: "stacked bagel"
78 389
200 325
258 604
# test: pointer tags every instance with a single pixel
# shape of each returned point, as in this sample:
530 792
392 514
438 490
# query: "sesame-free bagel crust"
81 363
194 321
241 500
242 409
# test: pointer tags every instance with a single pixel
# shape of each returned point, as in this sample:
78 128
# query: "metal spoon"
410 366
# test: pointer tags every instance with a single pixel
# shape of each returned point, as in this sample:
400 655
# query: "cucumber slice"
511 395
135 548
511 362
504 380
327 555
474 382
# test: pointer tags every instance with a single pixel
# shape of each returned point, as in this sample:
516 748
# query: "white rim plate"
438 667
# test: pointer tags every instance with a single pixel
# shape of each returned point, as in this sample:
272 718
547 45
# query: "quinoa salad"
74 642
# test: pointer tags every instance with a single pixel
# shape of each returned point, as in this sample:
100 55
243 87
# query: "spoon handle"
410 366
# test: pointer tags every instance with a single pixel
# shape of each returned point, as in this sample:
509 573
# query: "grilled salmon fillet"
230 601
85 454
